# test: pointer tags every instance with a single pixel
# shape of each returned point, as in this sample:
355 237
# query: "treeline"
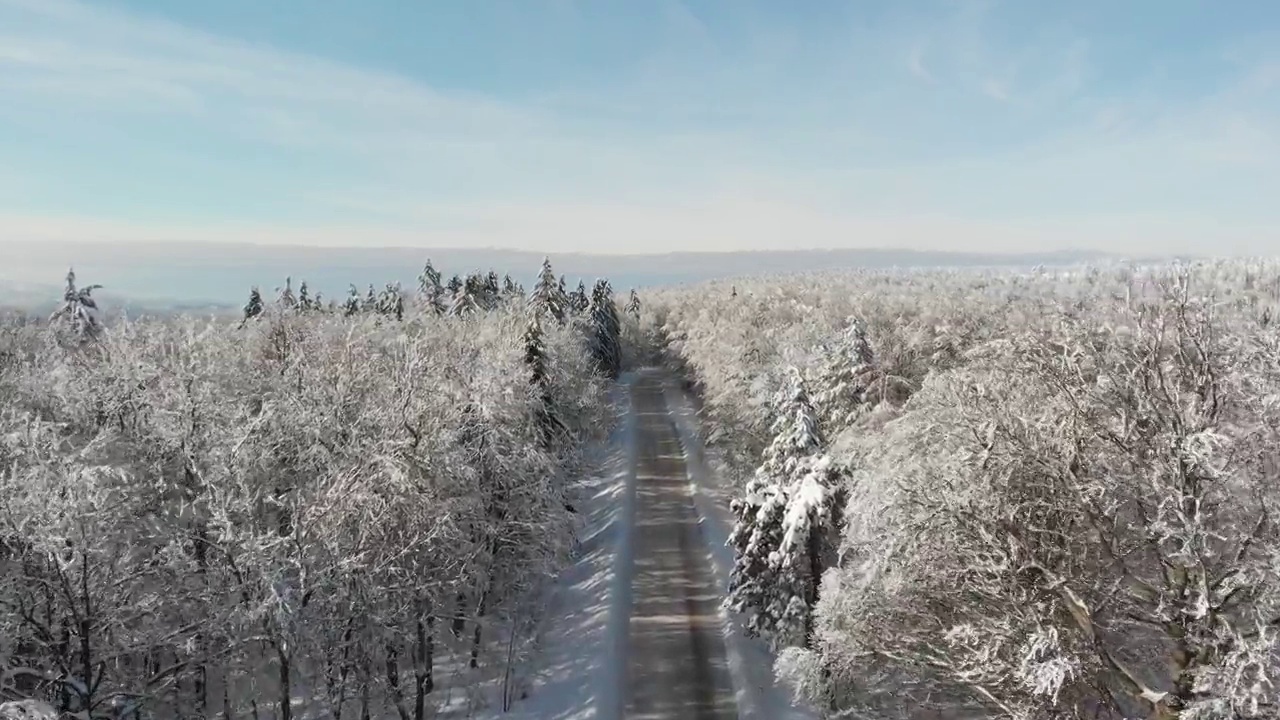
981 494
303 514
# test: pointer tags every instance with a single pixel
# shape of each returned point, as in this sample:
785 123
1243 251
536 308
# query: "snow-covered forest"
989 494
954 493
347 510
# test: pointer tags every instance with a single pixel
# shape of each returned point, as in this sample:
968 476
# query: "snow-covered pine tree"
605 331
464 302
579 300
254 307
633 305
757 530
535 358
810 538
391 301
305 303
478 290
547 297
782 533
351 306
452 287
78 308
370 304
511 290
430 293
285 297
844 377
492 289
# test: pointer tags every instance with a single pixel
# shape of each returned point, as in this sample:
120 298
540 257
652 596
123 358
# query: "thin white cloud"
729 224
916 63
995 89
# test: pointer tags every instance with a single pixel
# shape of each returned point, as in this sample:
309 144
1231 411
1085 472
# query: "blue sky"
645 126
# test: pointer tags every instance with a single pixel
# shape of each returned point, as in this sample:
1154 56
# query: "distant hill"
156 277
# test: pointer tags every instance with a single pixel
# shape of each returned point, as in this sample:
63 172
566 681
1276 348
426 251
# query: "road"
677 667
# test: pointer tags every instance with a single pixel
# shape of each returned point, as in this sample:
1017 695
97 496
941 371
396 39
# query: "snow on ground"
580 665
750 660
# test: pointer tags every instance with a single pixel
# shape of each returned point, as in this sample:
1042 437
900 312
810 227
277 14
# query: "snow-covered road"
636 629
677 666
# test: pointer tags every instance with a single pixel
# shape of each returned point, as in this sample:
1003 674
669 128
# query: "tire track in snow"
677 665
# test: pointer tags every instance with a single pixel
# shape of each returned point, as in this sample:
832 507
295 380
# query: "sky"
624 126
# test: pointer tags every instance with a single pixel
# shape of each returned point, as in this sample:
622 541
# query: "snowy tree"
633 305
78 310
1079 517
757 531
810 537
27 710
305 302
844 377
254 307
351 306
547 297
285 297
391 301
464 302
512 291
578 300
492 289
784 524
431 297
452 287
370 303
605 331
535 358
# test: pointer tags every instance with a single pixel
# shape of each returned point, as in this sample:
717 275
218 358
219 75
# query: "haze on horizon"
621 127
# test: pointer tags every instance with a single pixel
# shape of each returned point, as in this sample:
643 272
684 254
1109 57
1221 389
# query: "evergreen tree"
810 538
254 307
511 290
478 291
844 377
605 331
633 305
464 302
305 303
431 295
786 526
352 304
370 304
78 309
547 297
535 358
579 300
285 297
492 289
391 301
757 529
455 283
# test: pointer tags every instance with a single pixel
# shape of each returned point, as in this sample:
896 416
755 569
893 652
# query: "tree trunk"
424 672
286 685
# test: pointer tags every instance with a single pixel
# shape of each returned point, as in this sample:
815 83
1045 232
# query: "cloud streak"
707 140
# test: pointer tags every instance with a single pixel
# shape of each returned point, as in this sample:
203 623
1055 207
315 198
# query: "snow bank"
760 697
581 664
